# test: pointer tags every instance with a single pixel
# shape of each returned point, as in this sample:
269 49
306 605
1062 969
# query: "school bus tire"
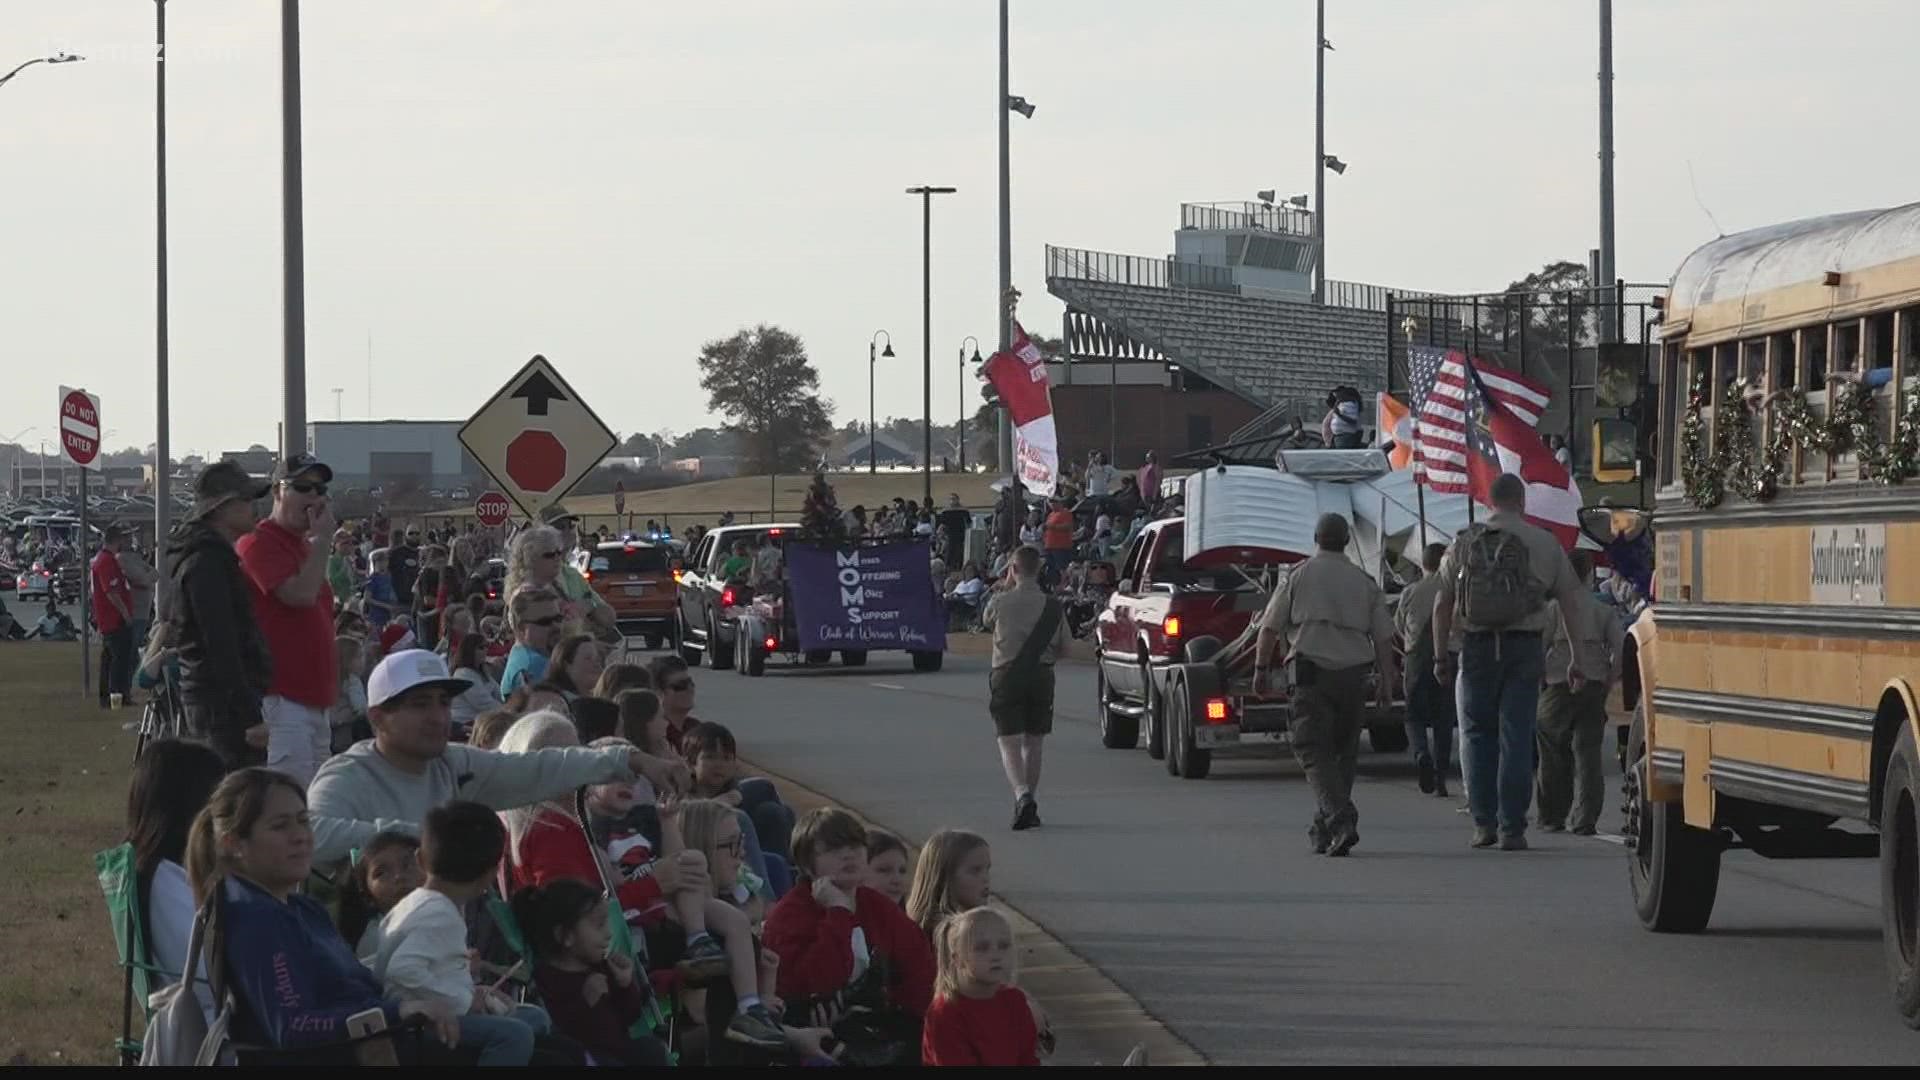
1900 875
1673 868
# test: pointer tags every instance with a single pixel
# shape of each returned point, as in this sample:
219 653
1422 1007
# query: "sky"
612 183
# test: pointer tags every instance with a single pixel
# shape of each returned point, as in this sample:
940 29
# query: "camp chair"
121 884
162 716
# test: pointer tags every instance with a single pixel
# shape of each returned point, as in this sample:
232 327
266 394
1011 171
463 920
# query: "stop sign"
80 427
536 461
492 509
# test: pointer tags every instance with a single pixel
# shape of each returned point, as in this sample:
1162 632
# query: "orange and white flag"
1394 422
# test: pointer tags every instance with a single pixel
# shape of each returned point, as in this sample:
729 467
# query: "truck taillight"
726 597
772 643
677 575
1173 626
1216 710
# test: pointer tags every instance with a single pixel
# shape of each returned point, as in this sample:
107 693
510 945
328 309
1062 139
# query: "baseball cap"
555 514
115 531
295 464
396 637
407 670
224 482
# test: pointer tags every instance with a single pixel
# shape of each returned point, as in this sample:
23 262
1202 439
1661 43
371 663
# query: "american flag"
1447 406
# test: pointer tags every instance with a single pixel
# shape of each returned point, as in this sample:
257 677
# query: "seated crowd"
576 874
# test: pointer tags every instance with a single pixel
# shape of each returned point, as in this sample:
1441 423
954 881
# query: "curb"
1097 1022
980 646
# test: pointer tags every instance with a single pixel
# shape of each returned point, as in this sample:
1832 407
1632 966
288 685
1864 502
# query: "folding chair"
120 882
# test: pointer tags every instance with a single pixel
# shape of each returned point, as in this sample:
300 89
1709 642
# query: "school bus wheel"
1900 874
1673 867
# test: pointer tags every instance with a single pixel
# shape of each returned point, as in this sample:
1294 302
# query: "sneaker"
1321 842
1425 762
757 1027
1483 837
1440 789
1026 813
1137 1055
1513 842
1552 827
706 960
1344 844
1582 830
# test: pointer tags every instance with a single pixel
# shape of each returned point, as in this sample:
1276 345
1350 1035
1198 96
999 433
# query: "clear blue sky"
614 183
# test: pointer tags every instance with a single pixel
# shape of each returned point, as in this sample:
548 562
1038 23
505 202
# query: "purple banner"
878 596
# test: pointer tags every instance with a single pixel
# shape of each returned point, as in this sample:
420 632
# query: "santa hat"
395 637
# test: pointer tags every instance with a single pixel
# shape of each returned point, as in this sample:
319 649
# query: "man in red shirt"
1058 537
287 572
113 613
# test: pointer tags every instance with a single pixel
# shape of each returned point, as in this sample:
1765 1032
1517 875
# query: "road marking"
887 686
1611 838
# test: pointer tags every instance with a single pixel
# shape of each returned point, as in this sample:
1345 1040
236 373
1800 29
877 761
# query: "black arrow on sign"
539 390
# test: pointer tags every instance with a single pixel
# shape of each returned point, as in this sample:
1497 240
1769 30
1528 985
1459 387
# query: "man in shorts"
1029 634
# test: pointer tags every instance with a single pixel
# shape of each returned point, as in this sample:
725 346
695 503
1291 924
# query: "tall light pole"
293 427
1320 47
1006 103
57 58
926 194
873 444
1609 322
162 429
14 441
963 393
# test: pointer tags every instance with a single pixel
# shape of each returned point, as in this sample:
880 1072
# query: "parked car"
635 578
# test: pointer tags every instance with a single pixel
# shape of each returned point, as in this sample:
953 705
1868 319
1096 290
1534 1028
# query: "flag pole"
1408 326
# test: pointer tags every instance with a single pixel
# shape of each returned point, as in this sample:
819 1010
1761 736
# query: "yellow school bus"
1777 666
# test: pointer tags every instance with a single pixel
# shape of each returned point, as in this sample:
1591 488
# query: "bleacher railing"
1246 215
1171 273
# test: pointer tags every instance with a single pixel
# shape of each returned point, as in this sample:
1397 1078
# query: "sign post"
80 433
536 438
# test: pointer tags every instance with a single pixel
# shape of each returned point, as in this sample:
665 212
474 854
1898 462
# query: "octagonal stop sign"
536 460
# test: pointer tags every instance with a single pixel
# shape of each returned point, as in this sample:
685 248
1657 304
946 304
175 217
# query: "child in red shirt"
829 930
978 1016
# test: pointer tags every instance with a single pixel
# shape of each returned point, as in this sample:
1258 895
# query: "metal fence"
1164 273
1247 215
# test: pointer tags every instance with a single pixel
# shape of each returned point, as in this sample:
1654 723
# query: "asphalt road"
1202 899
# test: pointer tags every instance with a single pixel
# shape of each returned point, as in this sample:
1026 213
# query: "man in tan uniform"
1429 701
1029 634
1333 621
1503 656
1573 723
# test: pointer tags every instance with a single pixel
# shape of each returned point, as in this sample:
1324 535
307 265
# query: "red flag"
1500 442
1019 376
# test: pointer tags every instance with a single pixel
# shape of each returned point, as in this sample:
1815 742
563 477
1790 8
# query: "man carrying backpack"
1496 580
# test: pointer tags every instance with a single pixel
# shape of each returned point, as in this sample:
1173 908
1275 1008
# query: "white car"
33 583
460 493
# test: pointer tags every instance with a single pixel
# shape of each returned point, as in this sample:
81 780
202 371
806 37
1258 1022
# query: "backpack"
178 1032
1495 583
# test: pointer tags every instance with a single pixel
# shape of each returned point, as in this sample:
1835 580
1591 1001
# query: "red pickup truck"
1175 652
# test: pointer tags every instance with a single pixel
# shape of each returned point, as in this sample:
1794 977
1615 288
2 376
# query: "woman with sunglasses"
534 613
540 558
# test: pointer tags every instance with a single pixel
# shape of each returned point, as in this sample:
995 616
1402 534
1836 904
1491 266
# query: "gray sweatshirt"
359 794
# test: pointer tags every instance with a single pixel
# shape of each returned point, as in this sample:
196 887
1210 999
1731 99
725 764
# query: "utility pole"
1320 152
1609 321
293 428
1004 428
162 432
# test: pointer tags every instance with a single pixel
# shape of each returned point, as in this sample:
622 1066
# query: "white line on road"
887 686
1611 838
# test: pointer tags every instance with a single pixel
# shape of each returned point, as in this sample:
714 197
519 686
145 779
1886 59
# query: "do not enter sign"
492 509
79 426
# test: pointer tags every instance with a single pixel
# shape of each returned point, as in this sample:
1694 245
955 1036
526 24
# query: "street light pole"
1320 152
926 194
873 444
162 432
293 428
963 393
57 58
1003 431
1610 322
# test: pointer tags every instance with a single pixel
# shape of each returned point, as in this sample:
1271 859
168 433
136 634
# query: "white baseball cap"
407 669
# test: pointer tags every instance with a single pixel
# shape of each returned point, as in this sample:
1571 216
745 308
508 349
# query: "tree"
1534 310
763 383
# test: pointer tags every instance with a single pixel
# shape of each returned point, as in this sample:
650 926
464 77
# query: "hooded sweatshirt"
358 794
224 663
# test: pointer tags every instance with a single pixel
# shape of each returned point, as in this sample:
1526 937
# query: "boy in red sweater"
829 930
978 1016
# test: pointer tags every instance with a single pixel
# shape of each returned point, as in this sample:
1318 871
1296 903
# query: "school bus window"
1846 350
1814 342
1785 372
1753 362
1671 414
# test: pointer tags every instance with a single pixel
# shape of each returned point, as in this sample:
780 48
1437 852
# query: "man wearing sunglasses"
285 557
534 614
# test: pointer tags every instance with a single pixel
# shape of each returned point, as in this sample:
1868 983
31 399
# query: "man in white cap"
408 767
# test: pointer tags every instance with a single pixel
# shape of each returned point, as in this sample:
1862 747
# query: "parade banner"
1019 377
871 596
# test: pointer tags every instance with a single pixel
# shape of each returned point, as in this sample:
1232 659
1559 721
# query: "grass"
703 503
63 787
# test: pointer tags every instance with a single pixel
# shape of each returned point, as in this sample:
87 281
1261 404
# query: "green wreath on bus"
1736 461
